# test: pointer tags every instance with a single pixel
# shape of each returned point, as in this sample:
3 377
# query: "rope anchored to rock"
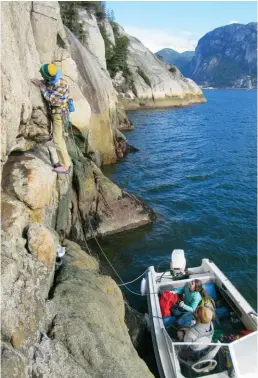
123 283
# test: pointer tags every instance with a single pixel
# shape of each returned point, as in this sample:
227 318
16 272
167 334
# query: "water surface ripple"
197 169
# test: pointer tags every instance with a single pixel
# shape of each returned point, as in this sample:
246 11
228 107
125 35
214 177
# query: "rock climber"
55 91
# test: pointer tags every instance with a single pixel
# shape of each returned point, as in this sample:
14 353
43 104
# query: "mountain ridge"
225 58
180 60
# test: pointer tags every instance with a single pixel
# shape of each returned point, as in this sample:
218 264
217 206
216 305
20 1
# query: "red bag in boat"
244 332
166 301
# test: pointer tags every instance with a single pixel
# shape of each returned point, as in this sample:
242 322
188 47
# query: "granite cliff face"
23 111
227 57
155 84
147 82
52 322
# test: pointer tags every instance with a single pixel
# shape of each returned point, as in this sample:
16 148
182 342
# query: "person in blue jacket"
182 313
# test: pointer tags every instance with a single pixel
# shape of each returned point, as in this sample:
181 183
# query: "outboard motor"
178 263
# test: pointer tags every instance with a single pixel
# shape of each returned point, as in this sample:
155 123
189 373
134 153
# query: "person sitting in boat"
182 312
192 293
202 333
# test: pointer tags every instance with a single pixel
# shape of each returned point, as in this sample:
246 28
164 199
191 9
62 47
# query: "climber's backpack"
208 302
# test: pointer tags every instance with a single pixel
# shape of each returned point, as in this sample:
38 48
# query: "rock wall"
163 88
47 330
23 110
59 331
154 85
96 342
20 62
93 39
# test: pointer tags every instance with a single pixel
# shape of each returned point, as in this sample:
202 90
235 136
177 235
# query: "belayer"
55 91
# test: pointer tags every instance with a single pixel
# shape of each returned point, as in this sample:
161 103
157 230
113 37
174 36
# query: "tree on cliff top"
116 56
70 17
98 7
117 62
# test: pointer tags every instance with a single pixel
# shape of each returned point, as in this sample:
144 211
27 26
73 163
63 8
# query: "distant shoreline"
230 89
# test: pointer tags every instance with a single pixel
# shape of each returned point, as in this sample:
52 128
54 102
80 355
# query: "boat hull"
167 362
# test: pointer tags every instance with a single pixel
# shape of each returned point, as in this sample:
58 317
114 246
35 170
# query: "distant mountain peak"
180 60
225 57
167 54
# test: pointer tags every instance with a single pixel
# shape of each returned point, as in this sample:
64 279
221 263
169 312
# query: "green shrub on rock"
144 76
134 90
118 60
116 56
70 18
172 69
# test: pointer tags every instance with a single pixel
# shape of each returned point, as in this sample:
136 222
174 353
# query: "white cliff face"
20 62
93 40
154 84
24 113
45 13
109 31
164 85
96 86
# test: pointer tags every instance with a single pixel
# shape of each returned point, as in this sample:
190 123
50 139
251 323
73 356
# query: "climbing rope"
167 261
127 283
68 126
123 283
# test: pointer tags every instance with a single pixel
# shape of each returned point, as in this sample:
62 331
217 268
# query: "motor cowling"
178 262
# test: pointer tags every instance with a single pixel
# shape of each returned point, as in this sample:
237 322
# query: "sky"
178 24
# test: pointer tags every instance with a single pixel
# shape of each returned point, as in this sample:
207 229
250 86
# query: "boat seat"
208 361
221 311
210 289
